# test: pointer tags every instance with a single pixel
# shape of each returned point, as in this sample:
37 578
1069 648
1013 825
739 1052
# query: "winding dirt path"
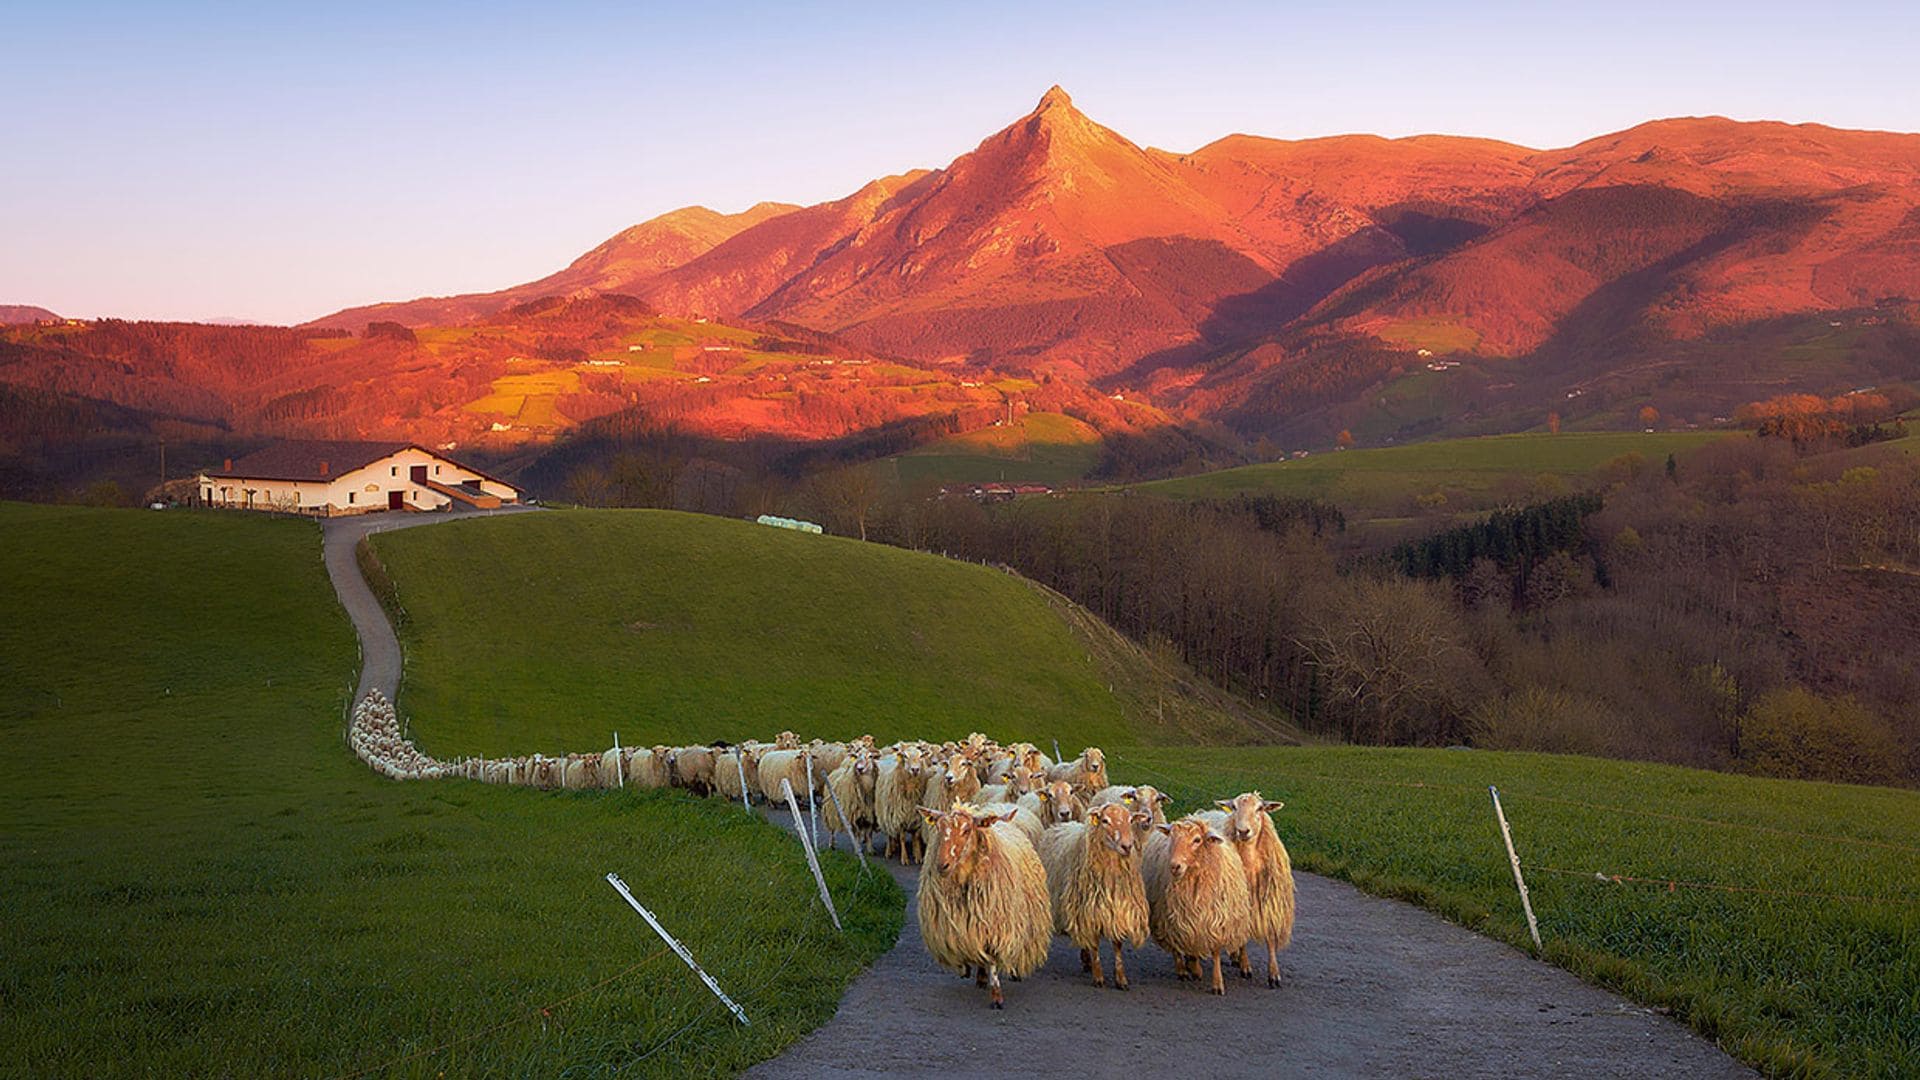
1370 987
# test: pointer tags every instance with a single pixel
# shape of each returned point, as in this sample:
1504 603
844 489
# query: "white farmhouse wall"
358 491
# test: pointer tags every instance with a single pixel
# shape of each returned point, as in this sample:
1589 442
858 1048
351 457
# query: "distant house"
326 478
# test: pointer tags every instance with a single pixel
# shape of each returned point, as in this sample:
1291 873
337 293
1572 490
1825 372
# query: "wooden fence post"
813 861
621 888
1506 834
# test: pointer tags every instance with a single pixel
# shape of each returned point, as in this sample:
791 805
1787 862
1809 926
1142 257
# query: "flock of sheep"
1013 847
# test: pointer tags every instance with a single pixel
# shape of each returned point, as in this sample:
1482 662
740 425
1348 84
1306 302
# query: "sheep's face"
963 838
959 773
1244 813
1151 801
1189 838
913 763
1021 781
1114 825
1095 763
1057 798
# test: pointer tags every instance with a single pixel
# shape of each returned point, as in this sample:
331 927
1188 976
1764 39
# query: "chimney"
323 468
228 467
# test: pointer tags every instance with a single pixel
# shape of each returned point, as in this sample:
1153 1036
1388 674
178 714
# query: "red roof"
302 459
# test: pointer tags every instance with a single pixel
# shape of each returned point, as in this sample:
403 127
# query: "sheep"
788 765
983 898
853 785
1145 798
786 740
1087 773
827 757
546 773
1196 896
896 800
1244 820
647 767
1016 782
580 772
958 784
1054 804
691 767
1093 877
1023 819
733 767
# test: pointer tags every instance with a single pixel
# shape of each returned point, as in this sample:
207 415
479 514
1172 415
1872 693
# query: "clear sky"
278 161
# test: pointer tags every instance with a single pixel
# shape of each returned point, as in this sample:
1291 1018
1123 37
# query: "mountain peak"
1056 98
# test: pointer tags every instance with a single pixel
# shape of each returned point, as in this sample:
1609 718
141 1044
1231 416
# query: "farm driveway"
379 649
1370 987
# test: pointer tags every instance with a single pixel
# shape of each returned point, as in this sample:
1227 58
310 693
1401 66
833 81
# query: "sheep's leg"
1273 962
980 975
1119 965
1240 961
1092 956
993 981
1086 962
1219 984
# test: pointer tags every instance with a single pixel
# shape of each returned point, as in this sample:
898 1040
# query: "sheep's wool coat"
999 917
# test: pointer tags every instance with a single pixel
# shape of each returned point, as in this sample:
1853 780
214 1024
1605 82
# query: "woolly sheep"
1093 878
1087 773
647 767
1145 798
896 801
1244 820
691 767
731 767
581 771
1196 896
1016 782
983 899
853 785
1023 819
788 765
959 783
1054 804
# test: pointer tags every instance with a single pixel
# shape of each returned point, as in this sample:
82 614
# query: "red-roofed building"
326 478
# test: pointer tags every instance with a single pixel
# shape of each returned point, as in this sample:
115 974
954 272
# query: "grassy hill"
1039 448
1470 472
1814 974
202 881
551 631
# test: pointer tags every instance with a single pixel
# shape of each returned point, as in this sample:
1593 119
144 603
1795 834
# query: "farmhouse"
326 478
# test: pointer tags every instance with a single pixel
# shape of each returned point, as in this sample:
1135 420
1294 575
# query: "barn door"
394 500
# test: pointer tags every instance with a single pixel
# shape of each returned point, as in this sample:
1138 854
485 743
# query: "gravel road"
1370 987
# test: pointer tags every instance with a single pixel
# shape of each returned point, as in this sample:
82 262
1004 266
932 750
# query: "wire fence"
1670 884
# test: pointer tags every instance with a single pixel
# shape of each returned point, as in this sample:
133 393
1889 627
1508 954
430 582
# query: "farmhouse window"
350 497
393 470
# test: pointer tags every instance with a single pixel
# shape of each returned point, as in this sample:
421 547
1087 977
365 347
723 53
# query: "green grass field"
202 881
1382 480
1040 448
1799 985
669 627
